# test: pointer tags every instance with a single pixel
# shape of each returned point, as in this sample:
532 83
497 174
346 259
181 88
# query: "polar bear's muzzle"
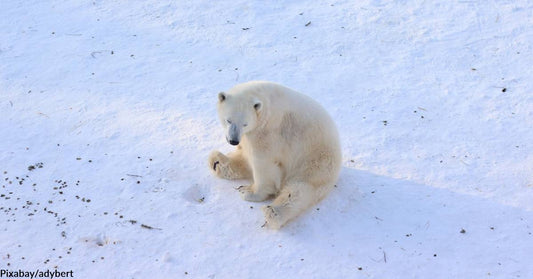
234 135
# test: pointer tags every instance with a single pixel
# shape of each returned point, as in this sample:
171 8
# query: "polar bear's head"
238 114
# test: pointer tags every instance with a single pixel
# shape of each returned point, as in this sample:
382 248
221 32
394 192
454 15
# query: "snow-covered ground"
107 114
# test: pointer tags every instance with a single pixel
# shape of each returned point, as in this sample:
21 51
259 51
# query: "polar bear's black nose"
233 142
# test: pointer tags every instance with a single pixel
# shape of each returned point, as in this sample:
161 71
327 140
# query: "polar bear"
287 144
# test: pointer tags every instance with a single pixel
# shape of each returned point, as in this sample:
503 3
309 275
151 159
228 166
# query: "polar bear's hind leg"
292 200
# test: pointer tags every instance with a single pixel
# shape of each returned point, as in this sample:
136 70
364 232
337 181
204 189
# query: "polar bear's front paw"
273 217
248 194
218 163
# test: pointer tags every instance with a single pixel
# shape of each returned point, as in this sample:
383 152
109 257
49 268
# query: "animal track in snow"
99 240
196 194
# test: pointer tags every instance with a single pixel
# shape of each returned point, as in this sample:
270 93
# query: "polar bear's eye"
244 125
229 121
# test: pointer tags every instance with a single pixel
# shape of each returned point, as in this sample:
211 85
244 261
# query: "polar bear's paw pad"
219 164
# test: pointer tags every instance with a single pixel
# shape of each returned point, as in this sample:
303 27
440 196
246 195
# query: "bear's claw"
273 218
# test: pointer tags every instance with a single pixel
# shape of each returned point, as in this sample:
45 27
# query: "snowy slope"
107 113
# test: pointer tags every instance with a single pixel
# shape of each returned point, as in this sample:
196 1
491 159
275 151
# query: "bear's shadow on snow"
367 205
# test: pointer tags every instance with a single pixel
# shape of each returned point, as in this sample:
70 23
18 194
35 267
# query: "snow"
433 100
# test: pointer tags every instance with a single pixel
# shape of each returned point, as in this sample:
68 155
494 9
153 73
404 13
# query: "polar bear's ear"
258 105
221 97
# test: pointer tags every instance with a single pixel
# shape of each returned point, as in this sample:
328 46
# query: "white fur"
287 145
